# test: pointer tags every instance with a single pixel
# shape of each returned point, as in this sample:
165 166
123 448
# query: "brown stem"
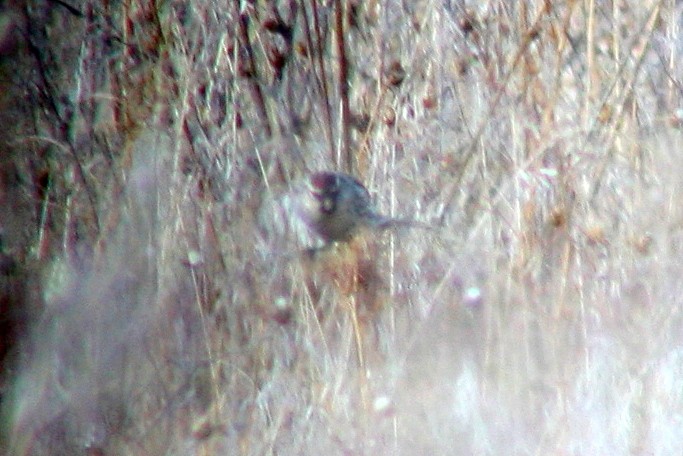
253 77
323 74
343 87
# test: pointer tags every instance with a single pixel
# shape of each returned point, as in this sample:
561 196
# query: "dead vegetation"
155 291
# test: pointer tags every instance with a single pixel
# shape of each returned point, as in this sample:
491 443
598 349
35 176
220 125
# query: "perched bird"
335 206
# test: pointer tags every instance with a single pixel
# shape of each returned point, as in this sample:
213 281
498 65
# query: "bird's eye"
327 205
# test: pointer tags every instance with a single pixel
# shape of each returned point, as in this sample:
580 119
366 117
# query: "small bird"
335 206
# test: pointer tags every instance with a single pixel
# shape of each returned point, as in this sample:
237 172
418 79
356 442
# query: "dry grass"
160 300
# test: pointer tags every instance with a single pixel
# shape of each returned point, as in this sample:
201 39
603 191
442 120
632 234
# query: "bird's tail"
387 223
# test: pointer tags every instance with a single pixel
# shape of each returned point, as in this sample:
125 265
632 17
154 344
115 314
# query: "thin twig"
323 74
257 93
343 81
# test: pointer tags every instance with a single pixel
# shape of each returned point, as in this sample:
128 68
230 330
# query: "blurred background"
156 291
